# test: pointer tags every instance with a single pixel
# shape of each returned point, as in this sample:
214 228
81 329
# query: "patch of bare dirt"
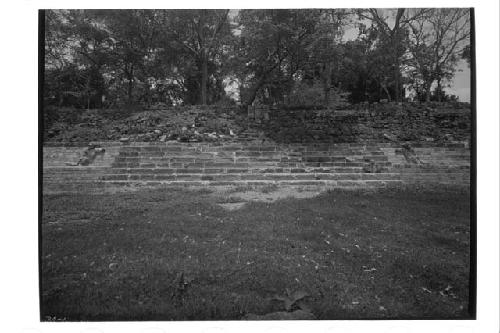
234 199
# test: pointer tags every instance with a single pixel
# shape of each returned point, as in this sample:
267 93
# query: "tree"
198 34
189 56
133 34
466 54
438 41
393 40
326 49
275 44
76 44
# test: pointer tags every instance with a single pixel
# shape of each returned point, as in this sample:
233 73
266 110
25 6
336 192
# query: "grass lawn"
178 255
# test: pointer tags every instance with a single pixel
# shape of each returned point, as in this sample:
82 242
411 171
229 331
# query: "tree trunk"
87 90
438 90
204 78
327 80
253 93
384 87
130 89
427 88
397 88
130 84
395 43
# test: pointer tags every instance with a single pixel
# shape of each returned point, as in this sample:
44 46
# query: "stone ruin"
379 147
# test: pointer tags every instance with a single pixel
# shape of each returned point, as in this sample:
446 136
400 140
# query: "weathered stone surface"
374 164
295 315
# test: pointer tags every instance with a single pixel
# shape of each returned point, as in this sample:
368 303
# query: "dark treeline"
110 58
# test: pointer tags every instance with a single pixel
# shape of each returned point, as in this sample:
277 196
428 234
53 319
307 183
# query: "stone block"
168 149
241 165
182 160
375 158
318 159
226 177
219 165
196 165
304 182
221 183
268 148
165 177
128 153
306 176
151 149
142 171
239 170
213 170
183 171
179 176
341 176
115 177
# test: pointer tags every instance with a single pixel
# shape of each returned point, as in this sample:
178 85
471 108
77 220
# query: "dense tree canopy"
106 58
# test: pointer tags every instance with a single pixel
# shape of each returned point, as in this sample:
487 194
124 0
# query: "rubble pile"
185 124
424 122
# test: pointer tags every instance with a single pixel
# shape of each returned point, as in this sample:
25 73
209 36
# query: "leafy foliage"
112 58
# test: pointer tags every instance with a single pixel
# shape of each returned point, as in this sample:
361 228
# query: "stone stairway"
232 164
346 165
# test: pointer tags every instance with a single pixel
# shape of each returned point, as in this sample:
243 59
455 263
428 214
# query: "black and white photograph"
257 164
267 166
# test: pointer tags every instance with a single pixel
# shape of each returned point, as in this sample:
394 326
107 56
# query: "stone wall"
343 165
366 146
407 122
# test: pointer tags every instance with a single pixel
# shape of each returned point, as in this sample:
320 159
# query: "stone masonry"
340 165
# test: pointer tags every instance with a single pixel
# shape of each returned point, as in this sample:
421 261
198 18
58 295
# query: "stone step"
238 168
430 168
151 175
71 169
246 163
183 147
329 183
260 154
250 177
250 161
266 146
71 176
100 185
